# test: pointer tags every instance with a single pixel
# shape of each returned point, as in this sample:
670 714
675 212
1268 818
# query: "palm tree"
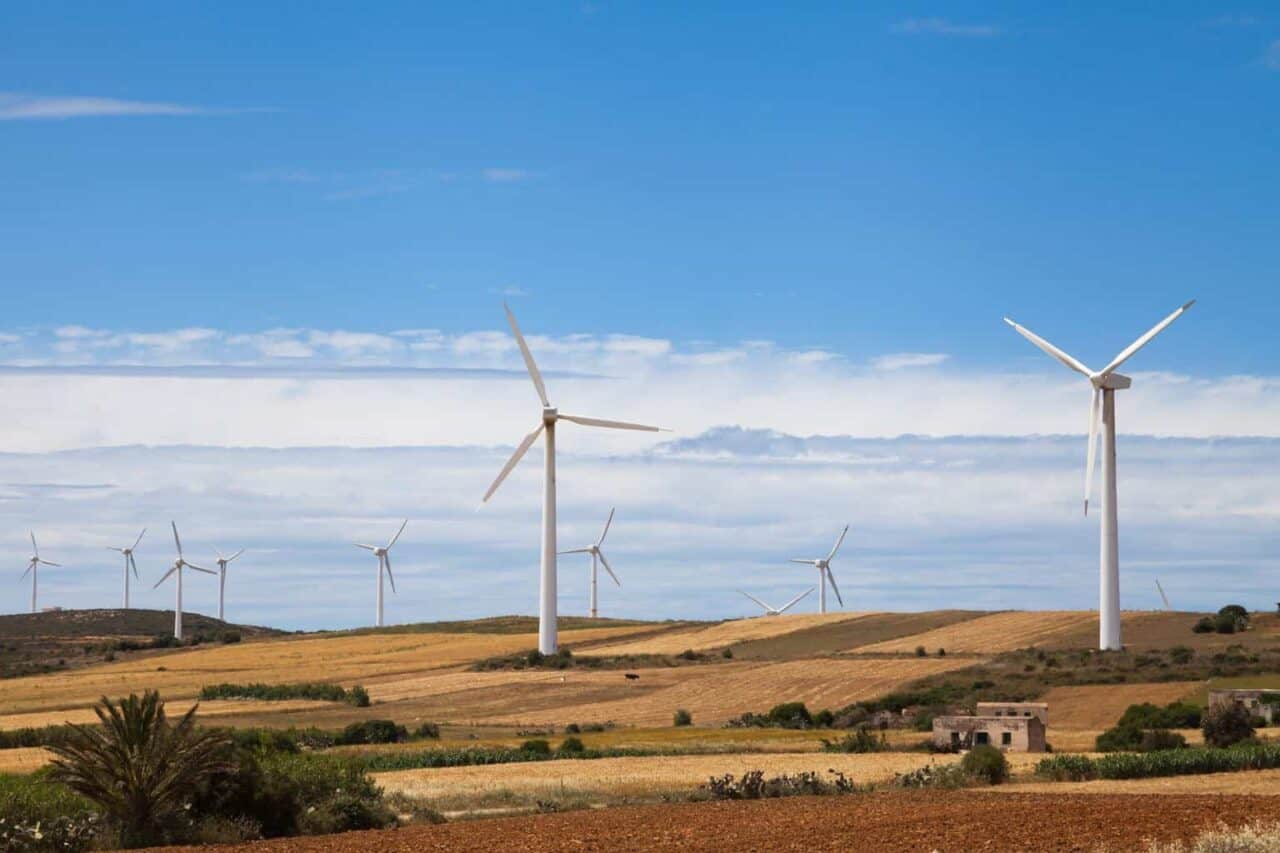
137 767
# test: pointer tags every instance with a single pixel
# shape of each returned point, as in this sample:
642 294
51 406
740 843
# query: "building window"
1006 738
980 738
955 739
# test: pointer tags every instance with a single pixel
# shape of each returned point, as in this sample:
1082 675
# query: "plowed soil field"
899 821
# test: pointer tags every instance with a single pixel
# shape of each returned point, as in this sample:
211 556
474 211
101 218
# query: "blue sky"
228 227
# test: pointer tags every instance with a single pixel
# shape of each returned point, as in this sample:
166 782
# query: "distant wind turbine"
178 565
222 579
1163 597
129 563
824 573
770 610
547 586
33 569
384 562
595 552
1105 383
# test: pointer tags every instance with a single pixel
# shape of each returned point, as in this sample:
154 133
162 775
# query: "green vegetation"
1144 727
986 763
316 690
682 718
1226 725
1178 762
39 816
859 741
566 659
754 786
1229 620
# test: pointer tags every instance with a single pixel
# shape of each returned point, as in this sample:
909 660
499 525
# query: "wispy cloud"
16 106
945 27
1232 21
507 176
1271 58
902 360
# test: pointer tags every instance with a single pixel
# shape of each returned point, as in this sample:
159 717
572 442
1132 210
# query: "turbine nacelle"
1110 381
550 414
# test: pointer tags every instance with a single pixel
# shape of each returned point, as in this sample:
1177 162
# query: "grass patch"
1178 762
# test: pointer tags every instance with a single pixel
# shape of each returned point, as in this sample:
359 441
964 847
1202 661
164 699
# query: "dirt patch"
915 821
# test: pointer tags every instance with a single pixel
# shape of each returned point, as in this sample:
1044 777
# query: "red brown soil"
891 821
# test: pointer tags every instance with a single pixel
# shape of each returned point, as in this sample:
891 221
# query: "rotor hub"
550 414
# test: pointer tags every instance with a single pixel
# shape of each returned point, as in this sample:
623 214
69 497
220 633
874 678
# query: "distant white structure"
383 553
550 415
824 573
222 580
129 563
178 565
770 610
597 554
1105 383
33 569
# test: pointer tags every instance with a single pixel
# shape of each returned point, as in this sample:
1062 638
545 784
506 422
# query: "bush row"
318 690
1178 762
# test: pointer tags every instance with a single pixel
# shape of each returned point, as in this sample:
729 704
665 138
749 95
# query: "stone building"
1258 702
1039 710
1011 733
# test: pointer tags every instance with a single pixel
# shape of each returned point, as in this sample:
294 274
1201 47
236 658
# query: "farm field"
1098 706
891 821
721 634
988 634
1244 782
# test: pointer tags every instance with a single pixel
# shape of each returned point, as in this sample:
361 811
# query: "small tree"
682 718
986 763
138 768
1225 725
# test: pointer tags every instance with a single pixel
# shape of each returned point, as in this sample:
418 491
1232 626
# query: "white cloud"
1272 57
901 360
15 106
506 176
351 344
945 27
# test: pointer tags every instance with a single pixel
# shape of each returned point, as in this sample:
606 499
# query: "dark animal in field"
632 676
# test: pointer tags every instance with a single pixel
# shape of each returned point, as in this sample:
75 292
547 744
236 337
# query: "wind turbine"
547 586
33 569
129 564
824 573
594 551
177 567
770 610
1105 383
222 579
384 561
1163 597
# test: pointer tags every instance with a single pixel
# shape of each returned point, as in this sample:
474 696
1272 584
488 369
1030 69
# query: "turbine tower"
1105 383
595 552
222 579
770 610
33 569
178 565
550 415
384 562
824 573
129 563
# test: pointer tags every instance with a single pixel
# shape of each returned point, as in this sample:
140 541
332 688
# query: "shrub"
358 696
790 715
427 731
824 719
727 653
572 729
1226 725
689 654
1225 623
229 637
986 763
1205 625
39 816
861 740
572 746
536 747
1181 654
682 718
373 731
942 653
1067 768
1158 739
317 690
754 786
921 651
934 776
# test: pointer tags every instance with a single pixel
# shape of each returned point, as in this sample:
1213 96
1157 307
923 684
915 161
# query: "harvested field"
210 708
1146 630
891 821
635 776
1246 782
864 630
1085 740
713 692
344 658
1099 706
23 759
997 632
722 634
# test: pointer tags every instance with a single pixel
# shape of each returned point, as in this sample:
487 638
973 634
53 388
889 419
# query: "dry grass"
1245 782
723 634
637 776
1099 706
210 708
1084 740
998 632
23 759
346 659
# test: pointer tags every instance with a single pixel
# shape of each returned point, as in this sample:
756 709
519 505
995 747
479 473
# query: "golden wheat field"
649 774
345 659
998 632
23 759
1099 706
1242 782
208 708
722 634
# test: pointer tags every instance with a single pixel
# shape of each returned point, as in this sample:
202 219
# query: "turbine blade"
199 568
600 422
47 563
1163 597
30 566
397 536
386 561
792 603
608 568
576 551
236 554
766 607
839 542
521 450
134 564
34 546
1061 356
139 539
605 532
113 548
366 547
1145 339
1095 412
166 576
528 357
806 562
176 540
831 577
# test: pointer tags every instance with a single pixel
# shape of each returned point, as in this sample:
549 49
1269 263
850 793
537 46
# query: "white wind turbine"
1163 597
595 552
33 569
1105 383
770 610
547 587
222 579
176 569
129 563
824 573
384 562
